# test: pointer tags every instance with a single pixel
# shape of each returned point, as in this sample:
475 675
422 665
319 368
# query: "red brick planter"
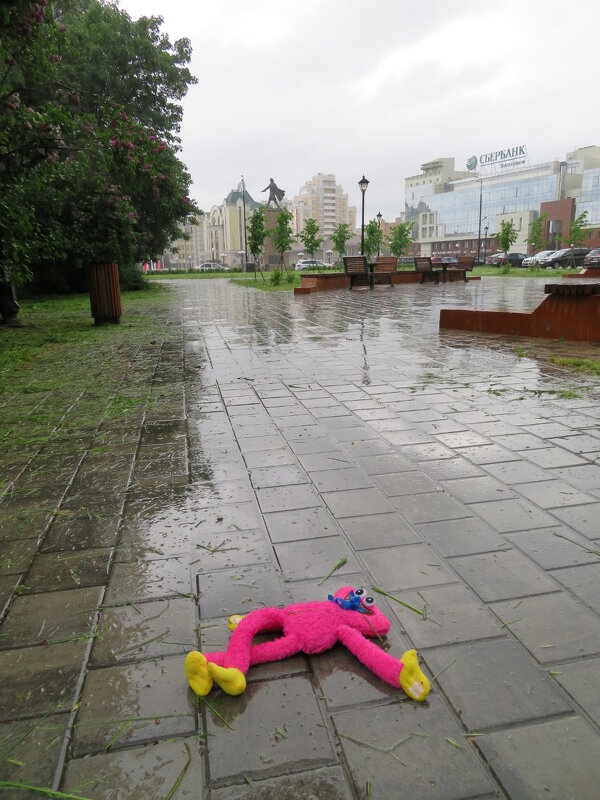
105 293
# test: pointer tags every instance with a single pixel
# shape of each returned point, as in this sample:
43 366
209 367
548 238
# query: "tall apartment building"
325 201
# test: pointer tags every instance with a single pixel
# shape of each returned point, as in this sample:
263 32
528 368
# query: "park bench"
385 267
356 269
465 264
424 267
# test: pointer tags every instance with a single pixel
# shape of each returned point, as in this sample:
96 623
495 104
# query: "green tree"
401 238
340 236
310 237
537 234
282 234
508 235
578 231
257 233
373 239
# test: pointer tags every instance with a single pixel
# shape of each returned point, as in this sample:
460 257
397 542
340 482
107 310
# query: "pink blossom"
114 142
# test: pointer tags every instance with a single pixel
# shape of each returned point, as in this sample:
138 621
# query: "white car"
311 263
530 261
209 266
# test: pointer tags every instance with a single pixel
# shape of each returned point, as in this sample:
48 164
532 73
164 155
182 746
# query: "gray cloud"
292 89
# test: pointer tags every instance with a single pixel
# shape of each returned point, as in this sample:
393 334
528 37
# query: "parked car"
514 259
533 260
407 259
592 258
208 266
568 256
311 263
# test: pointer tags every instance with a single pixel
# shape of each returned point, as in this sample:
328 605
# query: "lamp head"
363 183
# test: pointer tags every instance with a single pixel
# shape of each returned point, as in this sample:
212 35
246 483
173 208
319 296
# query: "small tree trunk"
9 308
105 293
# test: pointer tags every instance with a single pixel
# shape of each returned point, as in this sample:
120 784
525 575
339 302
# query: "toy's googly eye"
360 592
368 602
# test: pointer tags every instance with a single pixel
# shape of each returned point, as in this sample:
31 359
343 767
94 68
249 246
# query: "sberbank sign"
512 154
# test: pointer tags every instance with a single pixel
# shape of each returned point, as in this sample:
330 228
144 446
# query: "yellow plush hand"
412 679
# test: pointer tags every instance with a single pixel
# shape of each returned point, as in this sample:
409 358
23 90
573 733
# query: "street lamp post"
244 226
485 243
363 183
479 229
379 218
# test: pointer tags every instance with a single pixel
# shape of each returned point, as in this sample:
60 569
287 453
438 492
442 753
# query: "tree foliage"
310 237
401 238
257 233
508 235
89 116
373 239
578 231
282 234
340 236
537 233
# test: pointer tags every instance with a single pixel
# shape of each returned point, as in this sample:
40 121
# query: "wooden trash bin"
105 293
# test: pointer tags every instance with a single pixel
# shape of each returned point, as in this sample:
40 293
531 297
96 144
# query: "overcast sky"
287 88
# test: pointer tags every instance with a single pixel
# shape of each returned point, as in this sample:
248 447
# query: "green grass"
57 363
589 365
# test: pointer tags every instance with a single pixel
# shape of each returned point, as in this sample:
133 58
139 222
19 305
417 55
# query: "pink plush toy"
347 617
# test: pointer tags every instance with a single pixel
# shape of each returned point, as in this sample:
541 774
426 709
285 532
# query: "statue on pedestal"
275 193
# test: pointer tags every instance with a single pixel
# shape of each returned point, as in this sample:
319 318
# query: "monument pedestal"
270 255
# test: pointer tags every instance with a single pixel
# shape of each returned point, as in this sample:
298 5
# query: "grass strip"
583 546
214 710
418 611
117 735
181 775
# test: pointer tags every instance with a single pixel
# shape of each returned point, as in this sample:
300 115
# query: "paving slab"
378 530
133 704
583 519
139 773
357 502
583 581
273 728
514 689
502 574
557 758
30 750
149 580
430 507
325 783
407 567
580 680
291 526
383 745
555 547
461 537
313 558
225 592
288 499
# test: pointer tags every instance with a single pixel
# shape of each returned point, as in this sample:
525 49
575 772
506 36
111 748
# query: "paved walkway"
279 436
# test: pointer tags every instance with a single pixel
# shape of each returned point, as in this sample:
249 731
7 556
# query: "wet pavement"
278 435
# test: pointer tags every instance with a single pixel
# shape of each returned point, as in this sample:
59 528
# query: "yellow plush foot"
412 680
234 620
197 673
230 679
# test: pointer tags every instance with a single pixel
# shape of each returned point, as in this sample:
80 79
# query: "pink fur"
311 628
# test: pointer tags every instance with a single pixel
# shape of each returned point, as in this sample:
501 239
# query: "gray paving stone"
146 701
583 519
238 591
553 494
507 516
340 479
316 462
462 439
461 537
453 615
515 473
42 680
148 630
580 680
585 477
430 507
378 530
357 502
478 490
320 444
52 572
545 625
139 773
288 498
284 475
450 468
514 689
234 549
50 617
367 447
402 483
502 574
448 773
149 580
583 581
290 526
385 463
554 547
487 454
288 704
269 458
554 759
407 567
551 457
324 784
314 558
30 750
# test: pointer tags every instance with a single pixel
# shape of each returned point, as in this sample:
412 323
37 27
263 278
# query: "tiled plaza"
278 436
